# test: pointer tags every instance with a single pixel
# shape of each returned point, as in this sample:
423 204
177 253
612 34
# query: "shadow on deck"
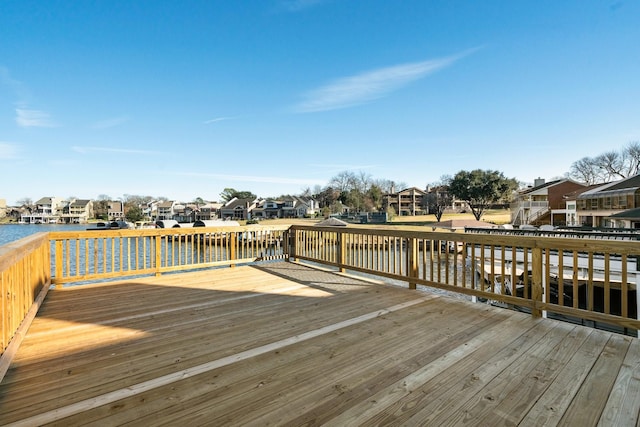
285 344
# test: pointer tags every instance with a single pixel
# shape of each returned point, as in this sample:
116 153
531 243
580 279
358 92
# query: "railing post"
59 263
158 257
342 251
286 244
536 281
292 242
233 236
412 260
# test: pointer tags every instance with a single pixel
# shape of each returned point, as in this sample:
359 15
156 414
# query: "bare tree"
389 186
25 201
611 163
305 192
363 181
632 153
608 166
343 182
585 170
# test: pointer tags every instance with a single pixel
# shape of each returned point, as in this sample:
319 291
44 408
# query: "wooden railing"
29 266
95 255
25 276
581 280
585 280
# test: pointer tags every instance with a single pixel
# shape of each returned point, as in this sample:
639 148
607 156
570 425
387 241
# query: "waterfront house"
409 201
208 211
238 209
166 210
47 210
600 206
80 210
150 210
115 210
544 203
298 207
267 209
287 207
625 219
185 213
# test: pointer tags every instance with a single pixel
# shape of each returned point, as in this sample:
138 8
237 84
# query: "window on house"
622 202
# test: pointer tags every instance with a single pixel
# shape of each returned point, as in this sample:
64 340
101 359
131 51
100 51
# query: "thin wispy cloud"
371 85
8 151
217 119
252 178
33 118
87 150
25 116
110 123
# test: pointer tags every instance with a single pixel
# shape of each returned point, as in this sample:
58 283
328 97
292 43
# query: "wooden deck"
284 344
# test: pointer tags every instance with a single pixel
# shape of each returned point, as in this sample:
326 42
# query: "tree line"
608 166
359 192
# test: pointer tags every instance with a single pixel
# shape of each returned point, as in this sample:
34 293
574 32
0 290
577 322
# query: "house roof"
238 203
574 194
409 189
541 186
211 205
547 185
616 188
631 182
80 203
45 201
628 214
167 204
332 222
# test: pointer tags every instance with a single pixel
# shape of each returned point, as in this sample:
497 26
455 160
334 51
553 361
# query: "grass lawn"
495 216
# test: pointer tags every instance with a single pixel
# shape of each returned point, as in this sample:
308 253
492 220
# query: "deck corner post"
286 247
536 281
292 243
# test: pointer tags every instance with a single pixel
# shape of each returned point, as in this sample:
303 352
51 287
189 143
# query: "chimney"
538 182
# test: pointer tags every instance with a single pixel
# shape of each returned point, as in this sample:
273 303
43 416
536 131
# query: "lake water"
13 232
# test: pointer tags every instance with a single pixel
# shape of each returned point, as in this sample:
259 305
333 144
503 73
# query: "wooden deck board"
285 344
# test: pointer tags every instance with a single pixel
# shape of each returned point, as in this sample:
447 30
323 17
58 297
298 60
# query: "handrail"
596 279
82 256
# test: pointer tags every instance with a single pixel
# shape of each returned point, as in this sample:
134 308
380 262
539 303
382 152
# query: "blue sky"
183 99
